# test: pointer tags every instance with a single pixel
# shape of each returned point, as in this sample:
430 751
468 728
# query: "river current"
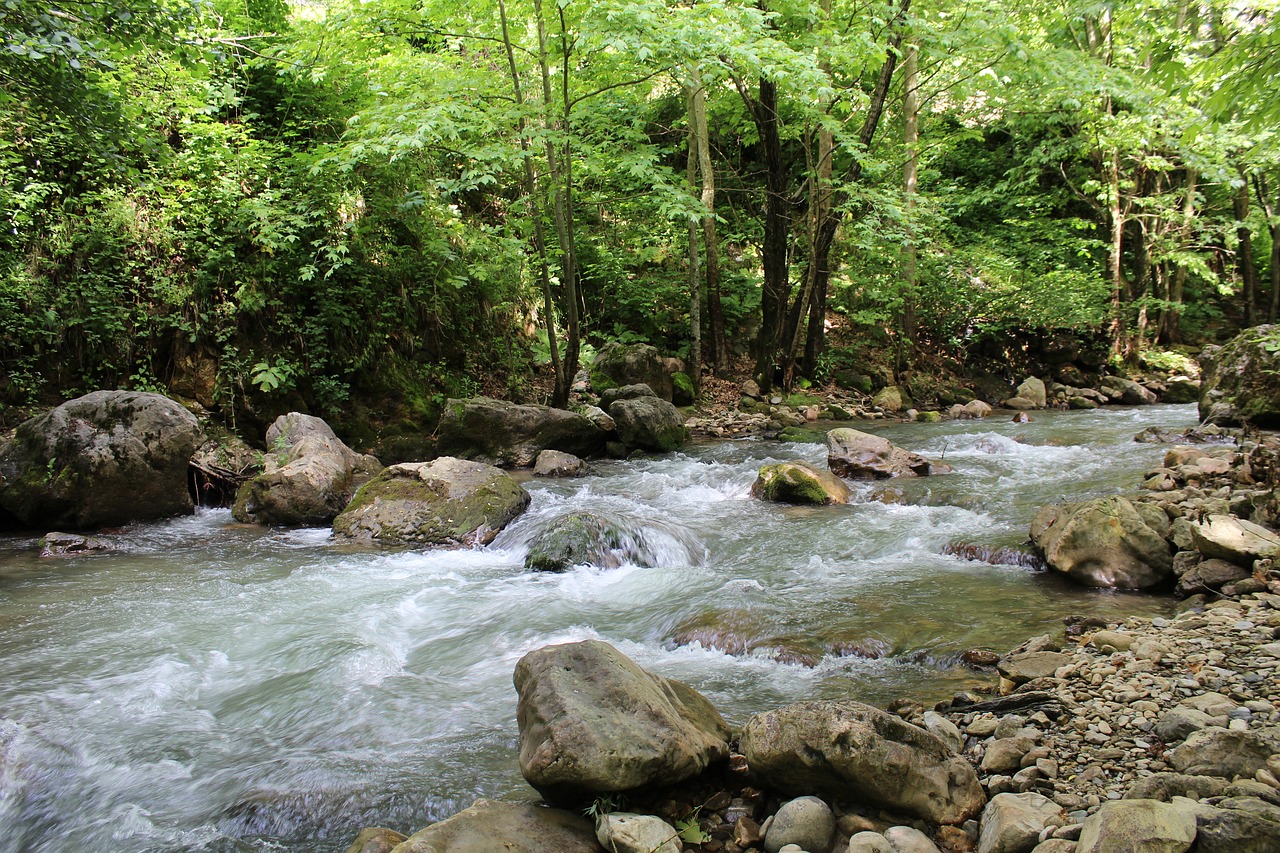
221 687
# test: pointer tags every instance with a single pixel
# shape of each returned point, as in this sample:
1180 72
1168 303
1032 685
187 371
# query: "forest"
361 209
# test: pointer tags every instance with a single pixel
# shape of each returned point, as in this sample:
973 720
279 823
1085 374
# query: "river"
221 687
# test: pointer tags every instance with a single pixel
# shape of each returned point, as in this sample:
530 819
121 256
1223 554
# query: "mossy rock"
631 364
1241 382
802 435
582 538
799 483
682 393
649 423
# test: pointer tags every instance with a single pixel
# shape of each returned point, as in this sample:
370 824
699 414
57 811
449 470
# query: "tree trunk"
773 295
1115 257
710 239
560 392
1172 311
1273 227
1244 251
692 91
910 176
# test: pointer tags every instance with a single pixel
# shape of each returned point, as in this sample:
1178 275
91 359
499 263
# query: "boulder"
624 832
509 435
489 825
1226 537
862 456
555 463
582 538
1223 752
1019 403
1241 380
806 822
446 502
854 752
1239 825
1012 823
799 483
869 842
890 399
977 409
624 392
309 475
1107 542
649 423
1126 391
1181 389
376 840
100 460
1125 826
73 545
631 364
1028 666
1166 786
593 722
1209 575
1181 723
1033 389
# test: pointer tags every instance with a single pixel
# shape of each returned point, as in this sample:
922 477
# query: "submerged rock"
858 753
1108 542
592 722
799 483
104 459
862 456
582 538
73 545
447 502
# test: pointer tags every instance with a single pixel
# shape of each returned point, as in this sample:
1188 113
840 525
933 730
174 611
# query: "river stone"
624 392
446 502
1019 403
977 409
853 751
582 538
649 423
1223 752
376 840
310 475
1107 542
1012 823
889 398
101 460
1125 826
73 545
869 842
631 364
1241 380
908 839
1055 845
1234 539
806 822
511 436
593 722
1166 786
862 456
1028 666
489 825
1180 723
1129 393
624 832
1004 755
944 730
1240 825
556 463
1033 389
1208 574
799 483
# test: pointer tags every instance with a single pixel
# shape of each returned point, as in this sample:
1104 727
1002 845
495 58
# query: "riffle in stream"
220 687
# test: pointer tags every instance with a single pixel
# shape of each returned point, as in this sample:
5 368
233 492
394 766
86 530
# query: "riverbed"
220 687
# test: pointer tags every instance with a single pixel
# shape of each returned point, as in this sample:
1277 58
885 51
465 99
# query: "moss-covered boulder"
631 364
799 483
649 423
682 393
582 538
448 502
1241 381
498 432
103 459
1108 542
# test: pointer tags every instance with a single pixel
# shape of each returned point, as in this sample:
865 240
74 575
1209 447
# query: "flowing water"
219 687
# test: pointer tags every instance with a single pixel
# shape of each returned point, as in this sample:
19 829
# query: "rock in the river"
376 840
100 460
799 483
1130 393
447 502
511 436
309 475
592 722
855 752
806 822
1108 542
554 463
862 456
1033 389
581 538
489 825
624 832
1126 826
649 423
1012 823
621 364
1241 380
73 545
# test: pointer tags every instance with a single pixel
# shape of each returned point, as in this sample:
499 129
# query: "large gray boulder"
593 722
1012 823
489 825
1127 392
1125 826
626 832
1239 825
1222 752
862 456
308 475
854 752
1241 380
510 435
649 423
1108 542
631 364
799 483
1236 540
447 502
103 459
